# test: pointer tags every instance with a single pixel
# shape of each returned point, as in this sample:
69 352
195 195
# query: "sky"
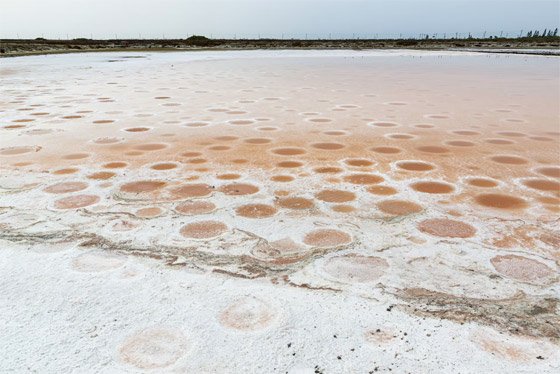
102 19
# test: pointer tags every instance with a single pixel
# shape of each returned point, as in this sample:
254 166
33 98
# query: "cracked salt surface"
289 211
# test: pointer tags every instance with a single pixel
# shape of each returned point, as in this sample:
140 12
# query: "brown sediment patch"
415 165
500 201
343 208
433 149
460 143
247 314
11 151
465 132
23 120
257 141
499 141
142 186
197 161
267 128
400 136
521 268
386 150
256 211
40 114
541 138
104 141
115 165
290 164
187 191
482 182
228 177
191 154
552 171
203 229
150 147
66 171
382 190
148 212
162 97
154 348
327 238
335 133
363 179
513 134
226 138
328 146
75 202
14 127
296 203
195 207
282 178
384 124
197 124
355 268
164 166
244 161
36 132
236 189
438 116
320 120
137 129
241 122
335 196
102 175
103 121
76 156
398 207
66 187
290 151
358 162
542 184
328 170
509 160
432 187
446 228
72 117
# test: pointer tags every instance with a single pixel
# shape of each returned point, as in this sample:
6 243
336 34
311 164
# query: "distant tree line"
545 33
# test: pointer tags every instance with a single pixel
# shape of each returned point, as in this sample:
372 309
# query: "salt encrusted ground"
279 212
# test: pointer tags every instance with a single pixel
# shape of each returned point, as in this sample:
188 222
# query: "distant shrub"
407 42
40 39
81 39
200 41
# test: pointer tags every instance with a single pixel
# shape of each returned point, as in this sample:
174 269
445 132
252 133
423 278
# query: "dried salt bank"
280 212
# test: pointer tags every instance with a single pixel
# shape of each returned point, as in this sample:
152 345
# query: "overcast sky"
271 18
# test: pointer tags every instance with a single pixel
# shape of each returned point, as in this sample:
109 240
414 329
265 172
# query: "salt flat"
280 211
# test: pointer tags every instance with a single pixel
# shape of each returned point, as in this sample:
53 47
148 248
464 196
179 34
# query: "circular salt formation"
191 191
500 201
542 184
258 141
66 187
521 268
195 207
432 187
356 162
500 141
236 189
102 175
11 151
115 165
327 238
415 165
552 171
433 149
94 262
164 166
355 268
328 170
398 207
446 228
247 314
290 151
150 147
383 124
363 179
228 177
148 212
142 186
289 164
509 160
203 229
282 178
65 171
76 156
386 150
75 202
482 182
328 146
335 196
256 211
154 348
382 190
296 203
460 143
465 132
